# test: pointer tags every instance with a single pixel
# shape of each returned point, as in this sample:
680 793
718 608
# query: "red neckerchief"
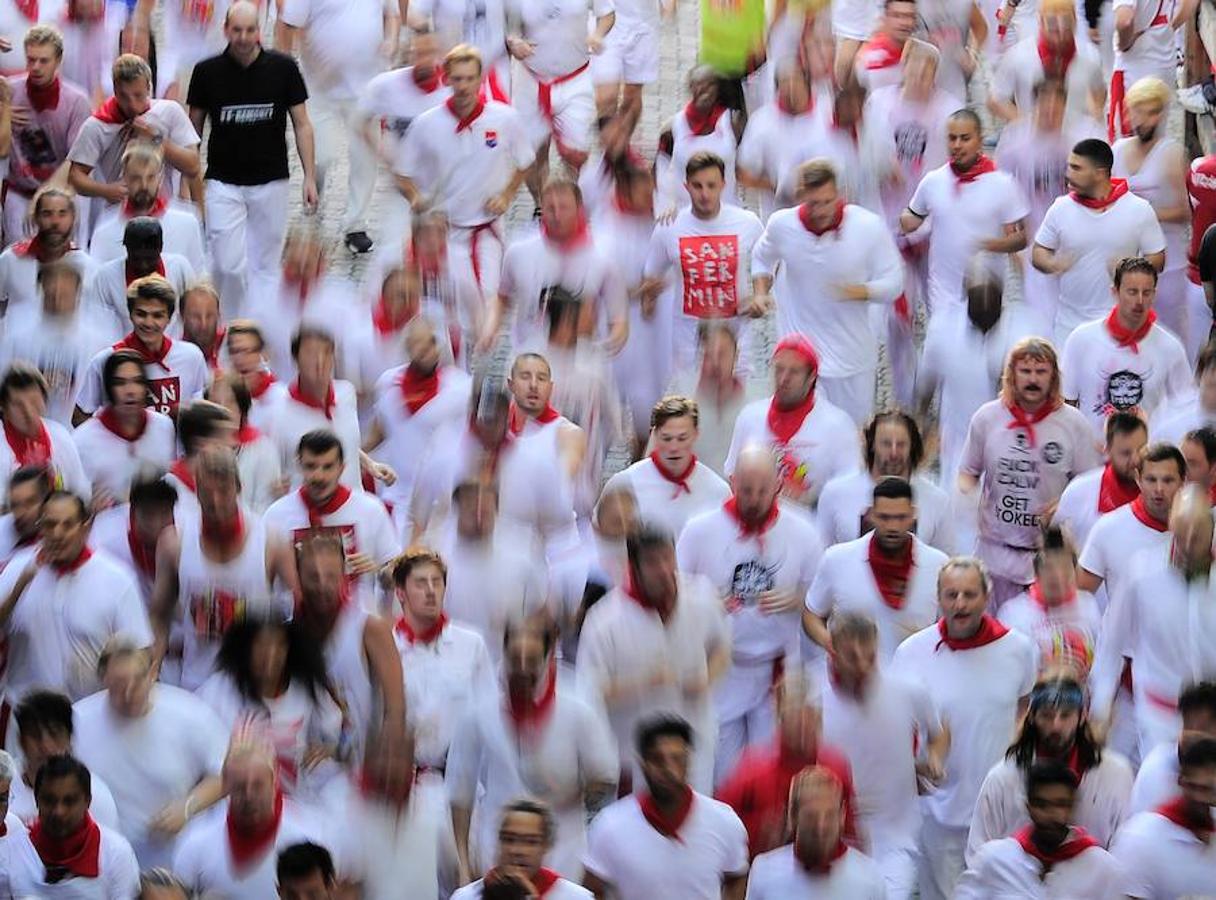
372 789
805 218
680 480
784 423
1035 591
1077 842
1072 760
247 434
133 276
429 265
466 121
789 111
302 286
157 210
1027 421
1125 337
417 390
308 400
33 247
543 882
212 356
318 511
580 236
225 535
529 713
982 166
261 384
78 854
431 83
1140 511
28 8
631 591
990 630
518 421
132 342
29 451
142 555
702 123
109 113
67 568
891 574
1113 491
109 420
248 845
881 52
421 637
821 868
1056 62
181 471
1118 187
45 97
385 320
747 529
667 825
1176 811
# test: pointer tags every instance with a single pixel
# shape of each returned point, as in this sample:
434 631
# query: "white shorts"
630 55
572 104
855 20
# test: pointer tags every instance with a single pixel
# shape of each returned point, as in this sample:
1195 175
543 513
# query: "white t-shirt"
558 32
1153 51
19 276
456 21
110 460
1002 870
180 228
292 420
665 503
846 500
1102 377
64 463
778 875
561 890
181 378
811 269
1078 506
107 292
1038 160
641 864
340 43
1161 859
1020 68
395 99
21 803
977 693
1157 779
1114 543
151 761
117 876
14 830
775 144
1067 629
100 145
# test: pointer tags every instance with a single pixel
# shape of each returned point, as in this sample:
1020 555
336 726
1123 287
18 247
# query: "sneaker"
1198 98
358 242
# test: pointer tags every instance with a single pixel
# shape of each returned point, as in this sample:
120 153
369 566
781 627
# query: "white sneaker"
1194 100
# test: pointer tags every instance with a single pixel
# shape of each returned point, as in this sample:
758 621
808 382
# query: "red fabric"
544 102
1201 188
227 534
43 97
28 8
758 790
800 345
32 247
804 217
1118 187
475 234
29 451
157 210
668 825
212 356
430 83
519 421
1176 811
297 394
318 511
109 113
181 471
386 321
133 276
1077 842
1126 338
247 434
71 566
680 480
790 111
1056 62
1117 124
544 881
465 122
248 845
421 637
530 713
982 166
1113 491
417 390
990 630
109 420
580 236
702 123
824 867
1036 595
881 52
142 555
261 384
1140 511
747 529
784 423
1026 420
632 592
132 342
79 853
891 574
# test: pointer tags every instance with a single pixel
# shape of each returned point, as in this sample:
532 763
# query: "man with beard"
1048 857
761 560
27 489
1055 731
55 224
1093 494
534 418
1157 778
881 61
1020 452
893 448
143 170
888 574
200 318
143 240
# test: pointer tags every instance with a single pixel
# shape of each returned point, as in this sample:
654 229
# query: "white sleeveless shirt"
347 666
684 144
1152 183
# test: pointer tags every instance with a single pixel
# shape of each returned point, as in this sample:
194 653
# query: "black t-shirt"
248 112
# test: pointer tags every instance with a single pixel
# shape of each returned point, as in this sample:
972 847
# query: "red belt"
544 100
475 232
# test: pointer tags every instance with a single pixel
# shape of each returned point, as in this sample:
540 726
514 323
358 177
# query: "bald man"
1165 623
761 560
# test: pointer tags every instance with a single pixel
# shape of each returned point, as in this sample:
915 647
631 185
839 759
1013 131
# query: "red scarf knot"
1140 511
990 630
1177 811
702 123
62 569
418 389
465 122
427 636
881 52
182 472
1035 591
43 97
110 113
892 574
28 8
156 211
389 321
428 84
77 855
1027 420
149 357
34 248
982 166
576 239
679 480
530 712
1077 842
1118 187
327 406
519 420
248 845
261 382
143 555
1056 61
667 824
135 276
1114 491
109 420
318 511
804 216
631 591
752 529
29 451
1124 336
226 534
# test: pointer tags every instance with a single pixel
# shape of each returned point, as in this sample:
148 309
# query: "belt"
544 100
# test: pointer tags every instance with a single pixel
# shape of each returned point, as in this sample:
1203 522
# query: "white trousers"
336 122
853 393
744 706
1199 321
898 866
941 859
477 253
246 225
